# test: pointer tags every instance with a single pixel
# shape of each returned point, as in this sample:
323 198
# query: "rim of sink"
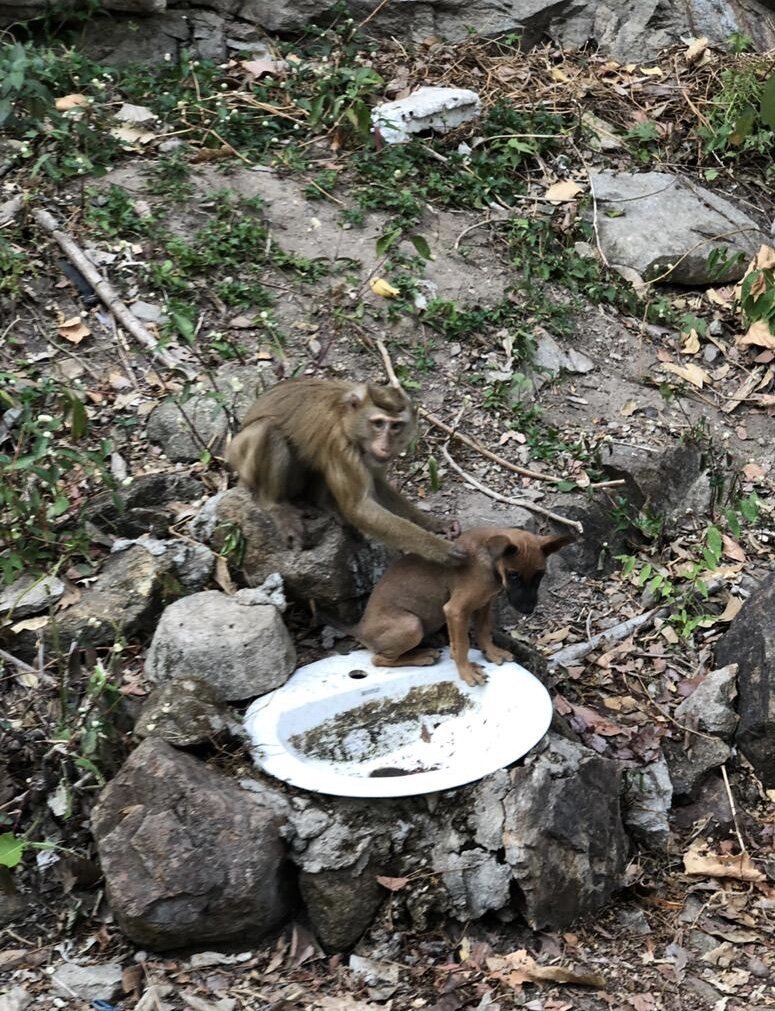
341 726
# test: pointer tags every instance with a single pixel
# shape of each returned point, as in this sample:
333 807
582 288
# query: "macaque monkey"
317 439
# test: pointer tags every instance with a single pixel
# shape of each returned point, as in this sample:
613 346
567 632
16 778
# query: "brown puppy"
415 598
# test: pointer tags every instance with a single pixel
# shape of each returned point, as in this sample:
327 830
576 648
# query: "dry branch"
106 292
578 650
519 503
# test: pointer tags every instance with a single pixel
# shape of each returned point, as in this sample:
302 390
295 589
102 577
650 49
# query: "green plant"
45 468
644 138
112 213
742 114
13 267
757 297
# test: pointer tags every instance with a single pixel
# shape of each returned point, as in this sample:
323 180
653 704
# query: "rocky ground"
245 227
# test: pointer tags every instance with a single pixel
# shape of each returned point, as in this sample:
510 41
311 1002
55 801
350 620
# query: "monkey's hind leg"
278 484
395 643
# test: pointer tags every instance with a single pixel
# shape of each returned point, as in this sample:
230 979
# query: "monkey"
323 439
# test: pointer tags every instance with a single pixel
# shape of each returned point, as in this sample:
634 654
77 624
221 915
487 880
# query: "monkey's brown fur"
311 439
415 598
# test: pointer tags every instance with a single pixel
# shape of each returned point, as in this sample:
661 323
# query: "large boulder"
188 856
336 569
665 227
750 643
239 645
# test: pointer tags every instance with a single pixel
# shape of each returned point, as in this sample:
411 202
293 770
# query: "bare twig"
103 288
578 650
389 370
519 503
16 662
731 799
474 444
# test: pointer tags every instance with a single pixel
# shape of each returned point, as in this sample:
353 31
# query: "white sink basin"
341 726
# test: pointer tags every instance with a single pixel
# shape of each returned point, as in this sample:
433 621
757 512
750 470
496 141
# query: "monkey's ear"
357 395
551 544
499 545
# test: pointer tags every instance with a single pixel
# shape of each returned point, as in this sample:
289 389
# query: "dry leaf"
720 296
559 193
222 576
519 967
731 610
652 71
732 549
669 634
381 287
758 334
696 50
392 884
697 860
753 472
691 373
628 408
73 330
129 113
130 135
692 344
208 154
75 101
559 75
257 68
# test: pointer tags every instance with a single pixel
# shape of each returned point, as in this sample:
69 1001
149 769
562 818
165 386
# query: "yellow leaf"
692 343
559 193
669 634
759 334
381 287
628 408
559 75
74 101
73 330
691 373
652 71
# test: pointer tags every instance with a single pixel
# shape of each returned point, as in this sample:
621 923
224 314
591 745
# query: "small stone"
148 313
648 796
709 707
710 353
15 999
184 713
88 982
690 764
633 921
30 595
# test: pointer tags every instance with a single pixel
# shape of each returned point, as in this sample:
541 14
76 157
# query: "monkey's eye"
396 427
378 424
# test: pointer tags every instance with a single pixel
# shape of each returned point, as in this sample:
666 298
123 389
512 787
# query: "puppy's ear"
551 544
499 545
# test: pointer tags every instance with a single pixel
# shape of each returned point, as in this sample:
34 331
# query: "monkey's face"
381 431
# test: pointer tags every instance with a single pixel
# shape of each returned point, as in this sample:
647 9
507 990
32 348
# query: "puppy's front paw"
498 656
473 674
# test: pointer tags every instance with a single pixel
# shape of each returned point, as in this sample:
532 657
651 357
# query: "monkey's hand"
451 530
456 555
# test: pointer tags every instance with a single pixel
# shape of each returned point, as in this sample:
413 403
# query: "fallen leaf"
519 967
698 860
392 884
73 330
628 408
561 192
557 635
669 634
559 75
720 296
130 135
691 373
75 101
71 595
758 334
692 343
129 113
753 472
731 610
257 68
208 154
696 50
381 287
732 549
652 71
222 576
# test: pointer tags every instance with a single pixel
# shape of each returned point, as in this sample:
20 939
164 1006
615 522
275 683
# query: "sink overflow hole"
357 674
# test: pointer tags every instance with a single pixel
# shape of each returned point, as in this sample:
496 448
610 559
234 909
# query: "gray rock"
124 599
15 999
666 223
340 905
750 643
709 707
190 564
88 982
184 713
690 763
13 905
188 856
552 358
336 569
633 921
140 506
29 595
544 840
147 312
187 429
242 650
647 800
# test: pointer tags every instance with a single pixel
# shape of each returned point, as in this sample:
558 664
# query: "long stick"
520 503
578 650
103 288
475 444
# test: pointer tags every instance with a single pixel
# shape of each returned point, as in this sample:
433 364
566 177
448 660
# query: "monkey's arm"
395 502
397 532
